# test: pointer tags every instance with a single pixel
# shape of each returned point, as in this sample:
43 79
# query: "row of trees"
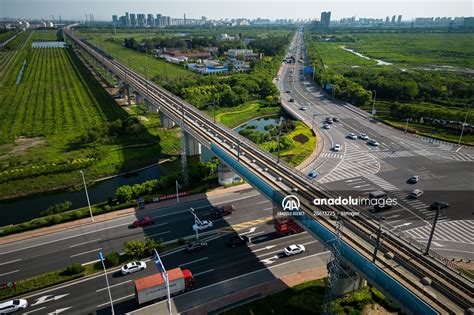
130 126
196 173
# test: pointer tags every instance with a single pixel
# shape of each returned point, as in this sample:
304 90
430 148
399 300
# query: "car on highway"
373 143
195 246
292 100
287 91
206 224
416 193
413 180
363 136
237 240
143 222
13 306
335 119
337 148
294 250
133 267
303 108
328 120
439 205
313 174
326 126
352 136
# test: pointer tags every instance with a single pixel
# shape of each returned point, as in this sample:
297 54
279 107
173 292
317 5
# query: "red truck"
286 226
154 288
219 212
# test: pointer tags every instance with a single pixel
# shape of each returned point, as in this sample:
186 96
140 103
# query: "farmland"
425 77
57 104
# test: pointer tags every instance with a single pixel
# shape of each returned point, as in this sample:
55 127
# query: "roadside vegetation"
426 78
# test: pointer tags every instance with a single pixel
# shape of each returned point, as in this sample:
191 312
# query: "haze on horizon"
217 9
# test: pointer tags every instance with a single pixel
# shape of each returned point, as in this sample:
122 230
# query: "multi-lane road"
446 170
217 263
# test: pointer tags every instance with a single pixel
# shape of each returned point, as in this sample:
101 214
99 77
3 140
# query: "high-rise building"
158 20
133 20
141 20
114 19
127 19
393 19
399 19
184 19
325 20
123 20
387 20
150 20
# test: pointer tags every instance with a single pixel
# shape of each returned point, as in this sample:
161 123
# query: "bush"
57 208
181 242
73 269
112 259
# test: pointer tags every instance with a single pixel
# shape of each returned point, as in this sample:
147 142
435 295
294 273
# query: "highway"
217 263
24 259
446 170
452 291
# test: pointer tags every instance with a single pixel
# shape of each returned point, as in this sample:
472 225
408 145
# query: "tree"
124 193
112 259
135 248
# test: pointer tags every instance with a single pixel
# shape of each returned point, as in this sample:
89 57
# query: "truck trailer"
154 287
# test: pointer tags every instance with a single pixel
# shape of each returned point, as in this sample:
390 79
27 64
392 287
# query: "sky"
216 9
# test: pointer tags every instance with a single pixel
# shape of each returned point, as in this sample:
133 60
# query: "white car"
352 136
303 108
294 250
337 148
326 126
363 136
133 267
373 143
13 306
203 225
416 193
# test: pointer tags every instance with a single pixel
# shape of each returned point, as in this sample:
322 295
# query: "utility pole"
87 195
373 104
279 136
214 106
177 191
464 123
377 242
406 126
435 220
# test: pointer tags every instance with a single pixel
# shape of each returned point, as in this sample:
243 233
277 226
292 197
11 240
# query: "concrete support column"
138 98
165 121
149 106
127 89
193 147
206 154
226 175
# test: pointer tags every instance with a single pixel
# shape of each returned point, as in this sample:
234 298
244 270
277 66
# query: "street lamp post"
101 257
177 191
279 137
464 124
87 195
435 220
373 103
377 242
406 125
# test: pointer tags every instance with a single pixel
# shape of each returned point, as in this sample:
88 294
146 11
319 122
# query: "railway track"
283 177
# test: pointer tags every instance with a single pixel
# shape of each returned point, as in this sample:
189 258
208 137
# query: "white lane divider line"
194 261
203 272
116 300
38 309
98 239
10 272
89 251
9 262
115 285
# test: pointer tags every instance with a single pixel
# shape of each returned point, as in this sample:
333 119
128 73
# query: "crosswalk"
458 156
453 231
333 155
356 163
392 154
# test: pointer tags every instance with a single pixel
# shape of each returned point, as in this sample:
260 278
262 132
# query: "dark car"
413 180
335 119
143 222
237 240
439 205
219 212
195 246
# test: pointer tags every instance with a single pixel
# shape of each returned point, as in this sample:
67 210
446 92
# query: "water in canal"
24 209
259 124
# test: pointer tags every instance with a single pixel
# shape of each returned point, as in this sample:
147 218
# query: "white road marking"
154 226
115 285
203 272
10 272
59 310
254 234
45 299
264 248
157 234
98 239
261 202
9 262
251 230
38 309
116 300
194 261
89 251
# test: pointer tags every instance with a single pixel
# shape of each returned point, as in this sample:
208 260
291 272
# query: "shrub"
73 269
181 242
112 259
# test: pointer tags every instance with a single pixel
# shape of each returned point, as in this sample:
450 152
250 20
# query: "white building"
224 37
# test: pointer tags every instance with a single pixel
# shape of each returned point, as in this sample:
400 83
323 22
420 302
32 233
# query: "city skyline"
103 10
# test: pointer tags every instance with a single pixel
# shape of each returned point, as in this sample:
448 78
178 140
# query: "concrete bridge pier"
226 175
138 98
165 121
149 106
193 147
348 280
206 154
